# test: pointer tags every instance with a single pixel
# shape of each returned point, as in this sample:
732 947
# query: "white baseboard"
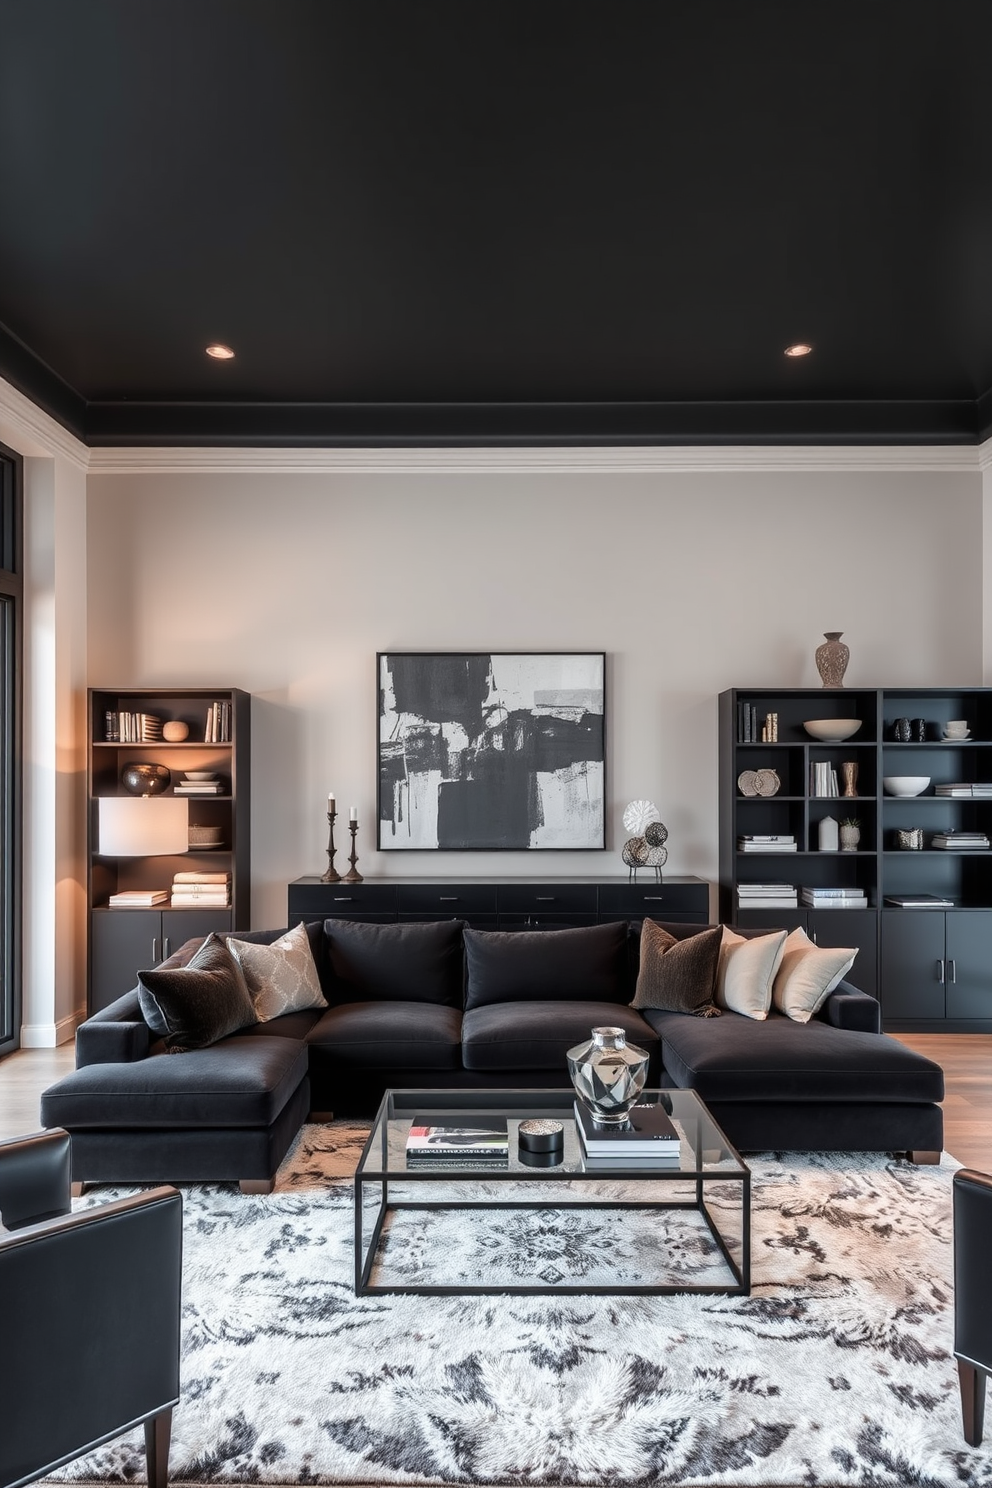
50 1035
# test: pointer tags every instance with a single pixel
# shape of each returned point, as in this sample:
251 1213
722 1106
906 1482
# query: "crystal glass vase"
608 1075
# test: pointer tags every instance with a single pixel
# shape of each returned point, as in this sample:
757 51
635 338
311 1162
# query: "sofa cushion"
586 964
417 962
807 974
242 1081
378 1035
197 1004
734 1058
678 976
747 970
281 977
537 1035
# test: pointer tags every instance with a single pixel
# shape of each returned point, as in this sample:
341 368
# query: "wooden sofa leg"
923 1158
972 1383
320 1118
158 1433
77 1190
257 1185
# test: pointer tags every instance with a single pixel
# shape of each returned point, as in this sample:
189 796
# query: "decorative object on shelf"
956 728
769 729
635 852
850 834
902 731
331 874
832 658
516 741
647 850
828 834
767 783
145 779
849 775
747 782
175 731
205 837
919 728
608 1075
905 785
640 814
142 827
909 839
541 1142
353 875
831 730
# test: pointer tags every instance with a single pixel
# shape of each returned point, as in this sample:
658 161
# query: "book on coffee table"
442 1139
649 1132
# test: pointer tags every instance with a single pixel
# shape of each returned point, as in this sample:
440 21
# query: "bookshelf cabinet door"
912 954
855 928
122 942
968 989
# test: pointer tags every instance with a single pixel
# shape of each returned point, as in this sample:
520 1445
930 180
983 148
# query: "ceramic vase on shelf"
850 836
828 834
608 1075
832 658
849 775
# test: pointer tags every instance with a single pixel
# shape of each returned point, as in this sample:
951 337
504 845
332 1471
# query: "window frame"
11 750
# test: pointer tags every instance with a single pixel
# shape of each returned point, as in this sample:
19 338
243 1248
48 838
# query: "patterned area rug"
837 1370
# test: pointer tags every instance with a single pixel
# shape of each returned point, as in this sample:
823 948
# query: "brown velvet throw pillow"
678 976
195 1005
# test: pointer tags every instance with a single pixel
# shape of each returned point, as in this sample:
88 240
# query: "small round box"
541 1134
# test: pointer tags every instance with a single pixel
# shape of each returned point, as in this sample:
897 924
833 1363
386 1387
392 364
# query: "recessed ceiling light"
800 349
219 352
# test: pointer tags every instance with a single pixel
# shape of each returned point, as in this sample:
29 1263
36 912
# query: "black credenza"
502 903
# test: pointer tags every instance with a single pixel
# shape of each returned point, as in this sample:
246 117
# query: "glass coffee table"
570 1229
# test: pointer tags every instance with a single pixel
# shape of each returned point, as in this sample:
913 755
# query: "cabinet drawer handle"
343 898
652 898
545 898
953 971
447 898
940 972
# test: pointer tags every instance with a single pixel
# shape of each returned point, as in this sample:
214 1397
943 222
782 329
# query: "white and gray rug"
837 1370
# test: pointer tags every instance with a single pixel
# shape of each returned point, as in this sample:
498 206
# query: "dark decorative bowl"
145 780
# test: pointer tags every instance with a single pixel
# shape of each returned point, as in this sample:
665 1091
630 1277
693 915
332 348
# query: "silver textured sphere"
656 835
635 852
657 857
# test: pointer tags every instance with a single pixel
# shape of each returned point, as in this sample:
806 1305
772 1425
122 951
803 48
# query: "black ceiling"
492 222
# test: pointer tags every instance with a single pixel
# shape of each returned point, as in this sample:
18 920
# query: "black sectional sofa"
432 1006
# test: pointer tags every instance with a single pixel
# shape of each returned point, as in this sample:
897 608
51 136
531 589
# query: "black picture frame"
491 751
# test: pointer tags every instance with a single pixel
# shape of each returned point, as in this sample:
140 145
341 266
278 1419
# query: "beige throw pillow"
281 977
807 974
747 972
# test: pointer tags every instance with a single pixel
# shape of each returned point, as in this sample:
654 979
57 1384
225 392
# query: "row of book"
768 842
767 896
217 729
829 898
131 728
747 724
648 1139
960 841
189 891
823 779
961 790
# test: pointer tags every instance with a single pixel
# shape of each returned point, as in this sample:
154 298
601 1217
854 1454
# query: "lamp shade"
143 826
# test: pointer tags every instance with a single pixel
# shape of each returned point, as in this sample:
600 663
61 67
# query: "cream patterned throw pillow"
281 977
747 971
807 975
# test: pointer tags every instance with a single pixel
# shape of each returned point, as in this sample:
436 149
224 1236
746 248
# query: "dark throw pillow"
586 964
419 962
678 976
194 1005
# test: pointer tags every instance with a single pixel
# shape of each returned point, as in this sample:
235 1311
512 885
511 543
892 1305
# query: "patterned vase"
832 658
608 1075
849 838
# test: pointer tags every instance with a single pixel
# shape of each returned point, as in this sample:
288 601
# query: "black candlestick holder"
332 875
353 876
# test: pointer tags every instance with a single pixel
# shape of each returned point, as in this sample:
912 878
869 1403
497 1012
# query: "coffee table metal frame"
706 1157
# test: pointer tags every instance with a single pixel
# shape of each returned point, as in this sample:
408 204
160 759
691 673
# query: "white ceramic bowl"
832 730
200 774
905 785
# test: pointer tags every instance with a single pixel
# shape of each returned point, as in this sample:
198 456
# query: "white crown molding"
30 431
613 460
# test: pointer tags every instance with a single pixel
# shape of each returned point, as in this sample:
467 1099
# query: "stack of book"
823 780
138 898
767 896
217 729
648 1140
770 842
960 841
211 786
919 901
131 728
818 898
961 790
747 723
448 1140
201 891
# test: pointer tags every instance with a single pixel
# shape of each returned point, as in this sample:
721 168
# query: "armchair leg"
972 1383
257 1185
917 1156
77 1190
158 1433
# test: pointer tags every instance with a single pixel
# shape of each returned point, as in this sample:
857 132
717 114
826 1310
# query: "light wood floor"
966 1060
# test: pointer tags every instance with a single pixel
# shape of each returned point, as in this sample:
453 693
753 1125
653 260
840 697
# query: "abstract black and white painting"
489 751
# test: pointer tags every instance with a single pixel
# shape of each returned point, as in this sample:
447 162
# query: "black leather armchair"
972 1295
89 1314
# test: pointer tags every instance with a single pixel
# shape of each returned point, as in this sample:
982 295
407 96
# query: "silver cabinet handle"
447 898
167 945
954 971
343 898
545 898
940 972
154 949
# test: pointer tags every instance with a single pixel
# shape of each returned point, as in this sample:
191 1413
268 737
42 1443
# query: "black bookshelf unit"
123 940
931 968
